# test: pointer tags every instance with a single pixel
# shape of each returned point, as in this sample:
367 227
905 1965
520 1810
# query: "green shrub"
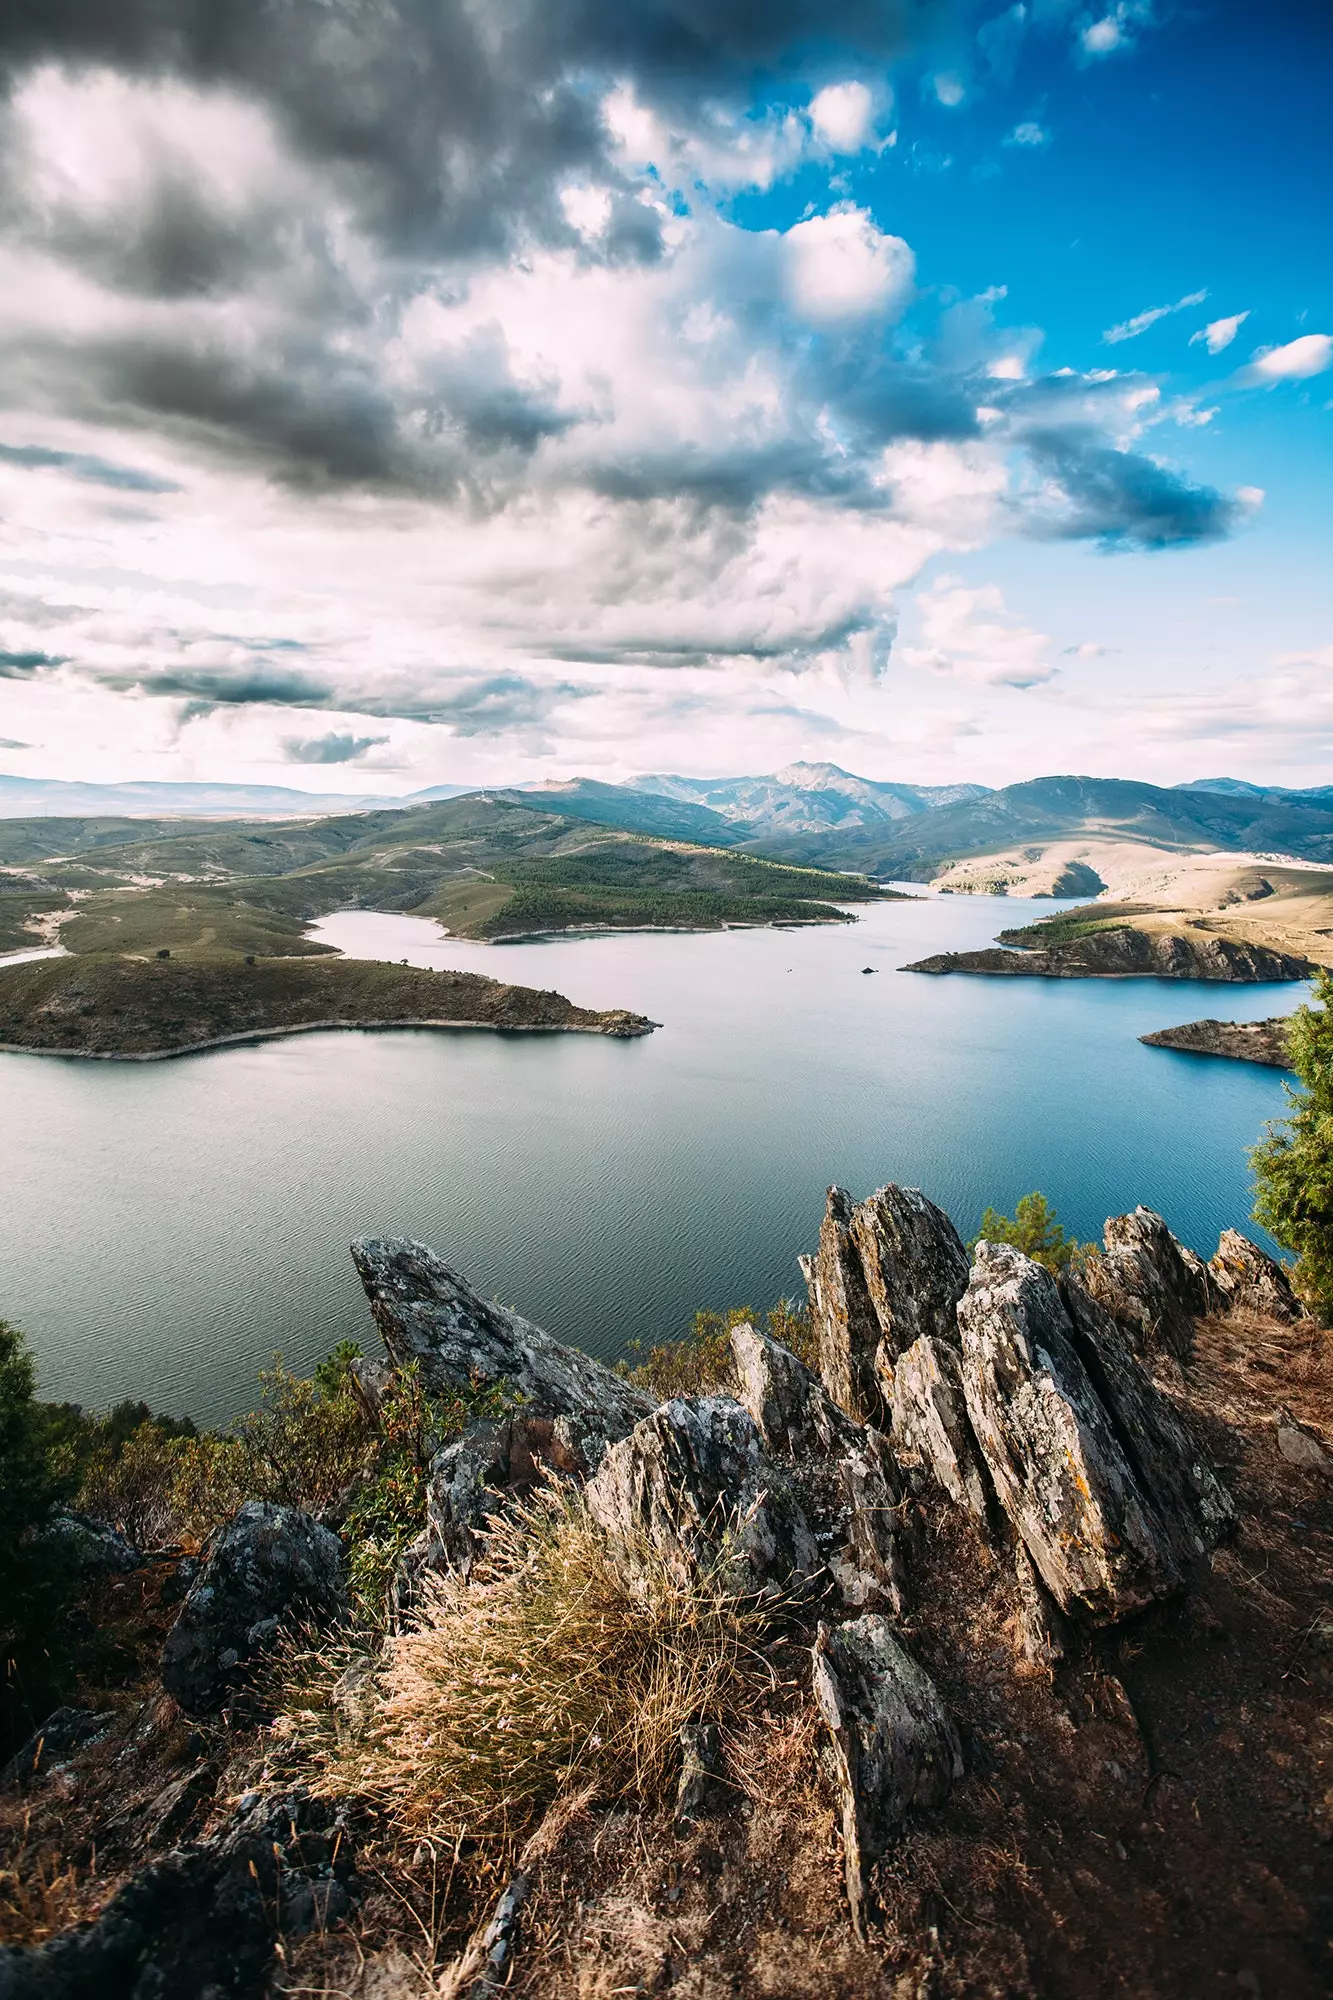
33 1590
700 1361
1293 1165
1034 1230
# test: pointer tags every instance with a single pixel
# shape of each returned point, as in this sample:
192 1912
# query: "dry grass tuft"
41 1892
544 1675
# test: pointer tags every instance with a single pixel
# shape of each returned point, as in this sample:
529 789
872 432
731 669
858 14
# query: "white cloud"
949 89
1029 133
841 266
1113 30
843 116
1296 362
1130 329
1219 333
1100 37
967 633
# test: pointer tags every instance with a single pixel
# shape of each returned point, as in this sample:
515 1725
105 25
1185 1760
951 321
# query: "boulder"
266 1571
64 1731
841 1313
428 1314
1246 1278
92 1548
893 1744
203 1923
1301 1446
1050 1447
844 1471
691 1489
930 1420
1168 1462
1149 1283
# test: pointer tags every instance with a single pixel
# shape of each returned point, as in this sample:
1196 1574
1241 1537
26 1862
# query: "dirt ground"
1153 1819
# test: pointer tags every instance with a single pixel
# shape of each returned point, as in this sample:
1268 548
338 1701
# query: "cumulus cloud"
1130 329
1310 355
1113 32
331 749
1219 333
842 266
843 116
967 633
1028 133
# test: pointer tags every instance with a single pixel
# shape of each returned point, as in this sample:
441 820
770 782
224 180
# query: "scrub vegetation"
1293 1165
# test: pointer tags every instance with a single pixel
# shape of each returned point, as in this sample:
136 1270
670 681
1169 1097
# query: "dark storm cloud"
226 686
80 465
1122 498
13 666
331 749
490 705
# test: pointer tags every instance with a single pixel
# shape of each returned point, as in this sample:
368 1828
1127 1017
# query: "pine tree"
1293 1165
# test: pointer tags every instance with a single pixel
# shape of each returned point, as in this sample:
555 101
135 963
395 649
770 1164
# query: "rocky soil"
1047 1565
1127 953
1245 1041
113 1006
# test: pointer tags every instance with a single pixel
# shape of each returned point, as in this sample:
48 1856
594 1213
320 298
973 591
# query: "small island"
1244 1041
118 1007
1097 942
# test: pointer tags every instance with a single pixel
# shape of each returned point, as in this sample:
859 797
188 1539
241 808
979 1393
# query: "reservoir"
168 1226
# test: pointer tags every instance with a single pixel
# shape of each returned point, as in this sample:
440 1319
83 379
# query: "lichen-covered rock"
1144 1278
1168 1462
1050 1447
1299 1445
64 1731
841 1313
692 1489
1040 1627
893 1744
427 1313
1246 1278
844 1471
203 1923
915 1271
92 1548
930 1420
265 1571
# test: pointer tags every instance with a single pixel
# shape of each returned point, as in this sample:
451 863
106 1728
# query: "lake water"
164 1227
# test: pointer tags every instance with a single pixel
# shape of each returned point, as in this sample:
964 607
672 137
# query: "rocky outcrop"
1126 953
845 1473
1244 1041
266 1571
1149 1282
426 1313
930 1421
93 1548
64 1731
893 1745
691 1490
1245 1278
887 1270
1051 1448
203 1923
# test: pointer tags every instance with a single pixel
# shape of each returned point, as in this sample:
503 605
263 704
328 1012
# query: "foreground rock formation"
1244 1041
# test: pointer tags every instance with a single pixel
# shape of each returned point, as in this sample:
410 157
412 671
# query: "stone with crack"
1249 1280
894 1746
930 1420
1145 1280
841 1313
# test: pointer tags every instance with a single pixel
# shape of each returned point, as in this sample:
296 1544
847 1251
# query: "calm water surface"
165 1227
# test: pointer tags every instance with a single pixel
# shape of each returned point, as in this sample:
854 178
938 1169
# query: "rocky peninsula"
119 1007
1124 952
1244 1041
984 1650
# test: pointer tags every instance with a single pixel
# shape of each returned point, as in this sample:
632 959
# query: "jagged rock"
1246 1277
692 1488
698 1790
268 1569
843 1317
1050 1447
1299 1445
201 1924
915 1271
845 1471
64 1731
92 1548
1169 1464
427 1313
471 1479
1042 1632
176 1805
894 1746
930 1419
1144 1278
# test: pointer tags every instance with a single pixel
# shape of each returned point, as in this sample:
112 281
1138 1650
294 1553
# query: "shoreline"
613 1034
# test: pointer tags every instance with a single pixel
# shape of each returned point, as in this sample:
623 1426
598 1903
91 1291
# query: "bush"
545 1673
701 1362
1034 1230
1293 1165
33 1591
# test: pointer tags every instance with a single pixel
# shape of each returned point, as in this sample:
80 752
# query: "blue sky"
659 388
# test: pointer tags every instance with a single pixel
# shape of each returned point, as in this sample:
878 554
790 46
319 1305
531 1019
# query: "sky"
482 391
